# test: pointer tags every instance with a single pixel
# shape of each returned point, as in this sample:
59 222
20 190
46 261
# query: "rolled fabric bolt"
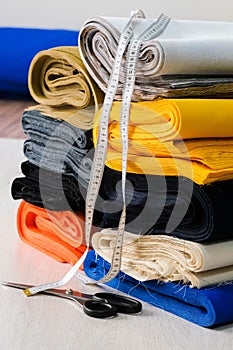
57 234
60 83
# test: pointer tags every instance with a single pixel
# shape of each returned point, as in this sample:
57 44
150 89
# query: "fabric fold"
57 234
175 206
169 65
200 173
169 259
57 77
60 83
166 120
49 190
57 146
207 307
169 137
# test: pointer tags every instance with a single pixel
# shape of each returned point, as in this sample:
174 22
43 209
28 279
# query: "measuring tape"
151 32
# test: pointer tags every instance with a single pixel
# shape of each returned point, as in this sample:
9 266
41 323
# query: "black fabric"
52 191
155 205
197 213
47 189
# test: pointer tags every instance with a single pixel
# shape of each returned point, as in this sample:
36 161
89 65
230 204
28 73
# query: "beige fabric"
60 83
168 258
80 118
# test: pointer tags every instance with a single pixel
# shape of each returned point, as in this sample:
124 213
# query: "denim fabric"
57 146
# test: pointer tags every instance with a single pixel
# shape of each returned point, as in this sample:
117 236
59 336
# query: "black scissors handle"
124 305
99 309
105 305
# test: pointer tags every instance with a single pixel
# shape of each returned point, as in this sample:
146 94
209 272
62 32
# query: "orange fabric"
57 234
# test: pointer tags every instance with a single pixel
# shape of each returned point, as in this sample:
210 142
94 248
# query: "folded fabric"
166 120
168 205
58 146
79 118
18 47
58 79
207 307
186 58
170 134
57 234
49 190
196 171
52 191
169 259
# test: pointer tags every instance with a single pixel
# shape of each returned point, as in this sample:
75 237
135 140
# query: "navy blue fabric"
18 47
206 307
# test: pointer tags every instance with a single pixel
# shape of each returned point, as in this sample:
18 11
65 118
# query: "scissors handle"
124 305
99 308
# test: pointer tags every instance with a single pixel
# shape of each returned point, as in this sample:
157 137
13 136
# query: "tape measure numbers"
151 32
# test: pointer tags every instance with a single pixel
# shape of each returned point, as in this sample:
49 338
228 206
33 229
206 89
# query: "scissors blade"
57 292
16 285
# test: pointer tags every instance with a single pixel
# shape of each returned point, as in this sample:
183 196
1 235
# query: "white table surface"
44 322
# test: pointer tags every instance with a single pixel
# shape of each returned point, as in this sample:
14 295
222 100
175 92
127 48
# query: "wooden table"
44 322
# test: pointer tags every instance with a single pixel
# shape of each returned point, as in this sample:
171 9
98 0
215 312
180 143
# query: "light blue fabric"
206 307
17 48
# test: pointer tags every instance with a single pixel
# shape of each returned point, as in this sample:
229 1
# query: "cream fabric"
168 258
173 64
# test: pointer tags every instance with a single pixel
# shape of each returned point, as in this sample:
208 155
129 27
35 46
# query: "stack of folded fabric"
178 240
177 245
59 150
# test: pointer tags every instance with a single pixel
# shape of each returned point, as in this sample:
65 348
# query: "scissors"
98 305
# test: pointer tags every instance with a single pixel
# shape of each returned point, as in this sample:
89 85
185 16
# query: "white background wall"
72 13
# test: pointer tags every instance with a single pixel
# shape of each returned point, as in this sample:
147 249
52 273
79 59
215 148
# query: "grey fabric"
189 58
57 146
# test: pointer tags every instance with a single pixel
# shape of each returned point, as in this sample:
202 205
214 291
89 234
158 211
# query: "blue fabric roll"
206 307
18 47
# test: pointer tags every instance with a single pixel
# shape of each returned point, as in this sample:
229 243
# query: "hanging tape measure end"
27 292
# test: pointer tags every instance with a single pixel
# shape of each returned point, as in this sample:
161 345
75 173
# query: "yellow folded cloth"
168 258
169 119
60 83
191 138
197 172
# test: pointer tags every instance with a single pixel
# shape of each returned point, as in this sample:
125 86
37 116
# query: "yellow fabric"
169 119
60 83
203 153
195 171
168 258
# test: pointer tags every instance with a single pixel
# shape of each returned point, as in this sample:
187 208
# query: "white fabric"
168 258
184 47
